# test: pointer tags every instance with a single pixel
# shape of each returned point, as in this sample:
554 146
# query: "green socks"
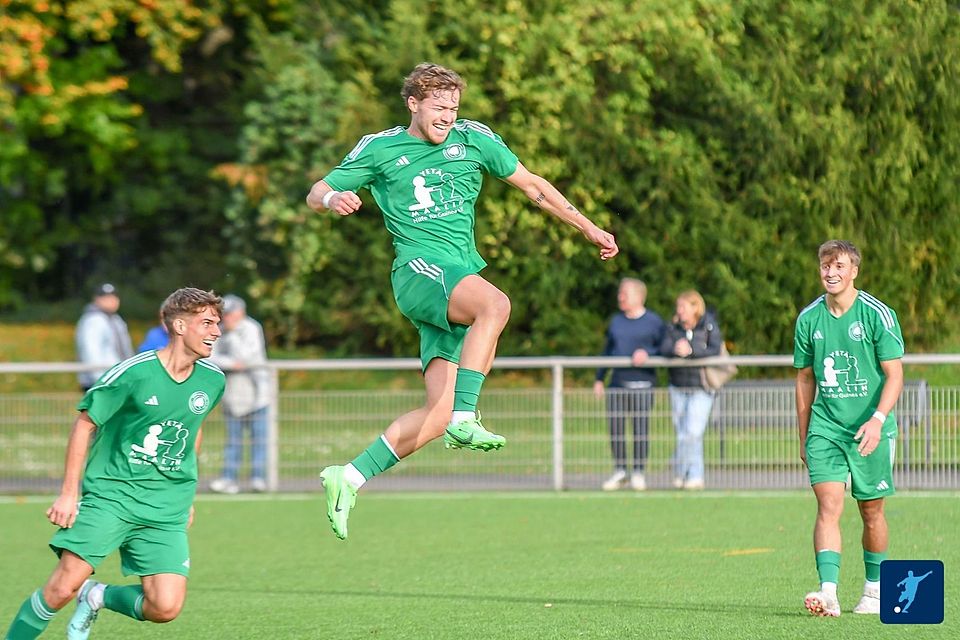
871 563
127 600
467 389
32 619
375 459
828 566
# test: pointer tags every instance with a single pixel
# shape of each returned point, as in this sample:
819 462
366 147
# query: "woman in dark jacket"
693 334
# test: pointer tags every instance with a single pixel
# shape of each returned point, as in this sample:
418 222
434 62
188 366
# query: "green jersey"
845 354
142 463
427 191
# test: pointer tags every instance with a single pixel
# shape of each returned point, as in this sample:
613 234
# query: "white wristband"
880 415
327 197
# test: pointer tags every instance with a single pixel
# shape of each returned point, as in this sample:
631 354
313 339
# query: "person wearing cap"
242 353
102 337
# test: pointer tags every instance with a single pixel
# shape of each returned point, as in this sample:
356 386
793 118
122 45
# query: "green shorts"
870 477
422 289
144 550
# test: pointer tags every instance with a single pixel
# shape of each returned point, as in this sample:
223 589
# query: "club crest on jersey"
454 152
199 402
855 331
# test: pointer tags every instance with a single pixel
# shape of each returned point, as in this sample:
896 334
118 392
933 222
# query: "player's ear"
180 326
412 104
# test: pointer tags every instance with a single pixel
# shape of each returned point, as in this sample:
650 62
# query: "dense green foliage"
720 142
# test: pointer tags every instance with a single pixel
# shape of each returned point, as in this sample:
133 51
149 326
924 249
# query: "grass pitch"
508 566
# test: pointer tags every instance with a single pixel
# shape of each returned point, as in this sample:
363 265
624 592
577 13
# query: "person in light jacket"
102 336
241 352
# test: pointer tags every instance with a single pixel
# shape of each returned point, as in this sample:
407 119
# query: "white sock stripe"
36 603
386 442
138 606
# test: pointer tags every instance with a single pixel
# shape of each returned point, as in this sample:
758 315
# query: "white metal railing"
572 433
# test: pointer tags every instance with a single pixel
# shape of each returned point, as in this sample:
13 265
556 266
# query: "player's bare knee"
162 612
58 594
499 308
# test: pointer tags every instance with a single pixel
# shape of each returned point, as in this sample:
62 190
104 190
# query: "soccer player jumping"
848 349
426 178
144 418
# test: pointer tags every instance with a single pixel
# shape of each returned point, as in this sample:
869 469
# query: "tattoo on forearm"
540 198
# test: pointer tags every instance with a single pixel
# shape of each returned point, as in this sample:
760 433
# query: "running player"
144 418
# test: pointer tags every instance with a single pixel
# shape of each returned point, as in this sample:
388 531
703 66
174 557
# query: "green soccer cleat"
85 615
341 497
470 434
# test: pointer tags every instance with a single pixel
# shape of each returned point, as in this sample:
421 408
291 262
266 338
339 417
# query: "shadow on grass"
738 609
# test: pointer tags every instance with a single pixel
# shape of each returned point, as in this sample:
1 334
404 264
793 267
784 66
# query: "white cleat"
869 603
819 603
616 481
638 482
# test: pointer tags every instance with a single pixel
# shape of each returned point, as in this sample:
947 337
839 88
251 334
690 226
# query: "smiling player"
426 178
848 349
144 418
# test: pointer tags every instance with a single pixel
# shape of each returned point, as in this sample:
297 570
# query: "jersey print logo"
163 446
436 196
152 402
199 402
841 376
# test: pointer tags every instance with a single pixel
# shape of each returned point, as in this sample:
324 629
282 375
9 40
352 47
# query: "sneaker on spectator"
614 482
258 485
224 485
638 482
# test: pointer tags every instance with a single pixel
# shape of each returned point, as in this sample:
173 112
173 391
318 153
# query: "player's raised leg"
405 435
486 310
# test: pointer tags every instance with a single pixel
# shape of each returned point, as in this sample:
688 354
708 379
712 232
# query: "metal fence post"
273 432
557 411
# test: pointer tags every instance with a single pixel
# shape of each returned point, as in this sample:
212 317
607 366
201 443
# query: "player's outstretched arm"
548 197
322 197
63 511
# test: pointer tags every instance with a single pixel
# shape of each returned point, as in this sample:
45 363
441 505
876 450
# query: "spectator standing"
102 337
636 332
242 353
693 334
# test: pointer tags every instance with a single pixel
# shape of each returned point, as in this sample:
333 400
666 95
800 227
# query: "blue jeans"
691 411
256 423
